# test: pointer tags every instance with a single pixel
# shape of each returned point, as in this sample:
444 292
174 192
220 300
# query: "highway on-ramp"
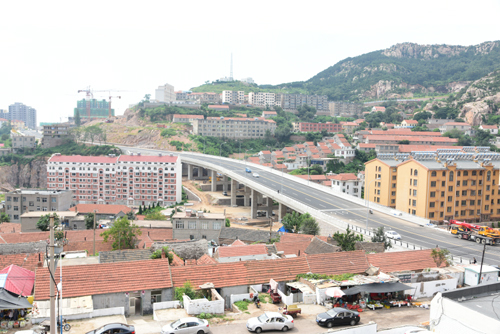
345 210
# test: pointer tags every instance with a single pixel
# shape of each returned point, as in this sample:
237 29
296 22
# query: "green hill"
218 87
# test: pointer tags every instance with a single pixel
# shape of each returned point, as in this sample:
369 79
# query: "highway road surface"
355 214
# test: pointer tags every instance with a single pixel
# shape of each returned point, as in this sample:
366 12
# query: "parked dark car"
337 316
114 328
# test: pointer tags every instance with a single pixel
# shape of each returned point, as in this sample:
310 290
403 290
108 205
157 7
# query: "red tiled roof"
177 261
315 156
402 261
426 148
280 166
206 259
492 127
10 228
309 143
412 138
359 121
335 147
238 242
147 158
294 237
19 280
103 278
190 262
345 262
296 247
379 108
243 250
267 164
410 121
111 209
82 159
31 262
188 116
299 146
269 112
327 183
254 159
350 124
218 106
405 132
344 177
456 123
266 152
367 145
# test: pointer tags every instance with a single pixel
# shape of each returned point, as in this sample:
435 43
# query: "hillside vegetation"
218 87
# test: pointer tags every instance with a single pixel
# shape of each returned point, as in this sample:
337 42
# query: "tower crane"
109 116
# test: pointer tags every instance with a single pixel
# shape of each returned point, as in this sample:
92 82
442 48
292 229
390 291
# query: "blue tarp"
282 229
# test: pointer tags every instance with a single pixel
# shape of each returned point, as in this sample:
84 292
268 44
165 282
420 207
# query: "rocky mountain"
403 70
31 175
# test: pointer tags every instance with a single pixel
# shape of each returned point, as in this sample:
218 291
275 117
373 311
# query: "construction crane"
89 96
110 104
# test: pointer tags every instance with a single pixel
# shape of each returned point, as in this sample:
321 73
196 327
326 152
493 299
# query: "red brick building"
318 127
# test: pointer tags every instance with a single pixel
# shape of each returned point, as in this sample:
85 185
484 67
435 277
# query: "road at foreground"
347 211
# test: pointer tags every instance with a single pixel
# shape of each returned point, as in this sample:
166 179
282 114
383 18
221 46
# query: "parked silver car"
186 326
270 321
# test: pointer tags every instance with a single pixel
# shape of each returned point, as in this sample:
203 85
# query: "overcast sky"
51 49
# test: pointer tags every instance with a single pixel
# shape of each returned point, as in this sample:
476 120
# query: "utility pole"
94 231
481 268
53 328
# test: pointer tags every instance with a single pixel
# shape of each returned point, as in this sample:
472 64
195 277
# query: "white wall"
103 312
286 299
370 328
451 317
309 298
198 306
428 289
244 258
236 298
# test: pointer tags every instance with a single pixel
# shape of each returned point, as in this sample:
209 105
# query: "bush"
242 304
168 133
155 216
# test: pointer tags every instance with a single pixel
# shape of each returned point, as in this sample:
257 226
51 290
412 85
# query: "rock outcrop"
31 175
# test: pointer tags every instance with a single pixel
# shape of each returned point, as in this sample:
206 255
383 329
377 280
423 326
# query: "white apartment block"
165 93
233 97
233 128
126 179
265 99
346 183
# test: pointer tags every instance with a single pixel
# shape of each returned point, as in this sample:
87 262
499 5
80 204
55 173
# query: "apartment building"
345 109
178 118
21 112
443 185
381 179
235 128
413 140
233 97
21 141
318 127
264 99
460 126
55 135
294 101
165 93
20 201
206 97
181 95
126 179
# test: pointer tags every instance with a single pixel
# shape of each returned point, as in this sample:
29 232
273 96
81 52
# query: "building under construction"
98 109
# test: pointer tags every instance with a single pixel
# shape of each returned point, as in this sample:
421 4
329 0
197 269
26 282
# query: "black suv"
338 316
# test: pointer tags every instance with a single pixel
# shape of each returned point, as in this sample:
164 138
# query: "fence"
163 306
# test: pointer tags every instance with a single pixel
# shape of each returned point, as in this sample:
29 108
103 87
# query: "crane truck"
473 232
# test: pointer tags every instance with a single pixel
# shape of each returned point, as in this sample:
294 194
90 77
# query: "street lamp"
220 150
367 198
204 144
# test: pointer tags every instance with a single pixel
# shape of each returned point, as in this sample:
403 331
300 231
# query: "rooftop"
39 192
343 177
111 209
148 158
399 261
38 214
82 159
188 116
242 250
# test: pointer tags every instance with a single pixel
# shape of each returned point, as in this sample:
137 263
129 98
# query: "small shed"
489 274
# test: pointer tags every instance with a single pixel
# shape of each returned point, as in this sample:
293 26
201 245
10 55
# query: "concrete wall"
236 298
244 258
370 328
111 300
163 306
450 317
88 315
429 289
198 306
286 299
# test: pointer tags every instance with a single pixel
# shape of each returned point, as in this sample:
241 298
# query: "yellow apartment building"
381 180
439 186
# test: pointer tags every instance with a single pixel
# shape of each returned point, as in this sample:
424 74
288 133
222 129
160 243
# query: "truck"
466 233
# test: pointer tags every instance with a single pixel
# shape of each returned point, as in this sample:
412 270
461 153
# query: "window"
433 194
179 224
415 173
414 192
216 225
44 200
192 225
414 202
450 188
472 202
415 183
464 183
204 226
54 200
431 214
451 176
466 173
442 193
433 173
458 183
450 198
463 203
433 183
442 204
474 173
443 183
448 209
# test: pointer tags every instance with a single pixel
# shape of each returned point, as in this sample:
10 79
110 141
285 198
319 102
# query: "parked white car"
270 321
186 326
392 235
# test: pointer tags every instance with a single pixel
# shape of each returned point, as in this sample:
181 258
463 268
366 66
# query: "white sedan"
186 326
392 235
270 321
255 175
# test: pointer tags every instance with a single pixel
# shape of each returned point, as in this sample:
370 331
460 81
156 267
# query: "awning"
10 301
377 288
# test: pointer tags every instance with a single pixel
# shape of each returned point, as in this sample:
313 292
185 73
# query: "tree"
43 223
131 215
424 115
440 256
4 218
155 216
89 221
168 254
347 241
123 234
292 222
310 226
78 120
140 210
228 222
188 290
379 236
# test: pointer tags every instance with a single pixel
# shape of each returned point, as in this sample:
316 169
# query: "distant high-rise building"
4 114
339 108
21 112
98 109
165 93
294 101
233 97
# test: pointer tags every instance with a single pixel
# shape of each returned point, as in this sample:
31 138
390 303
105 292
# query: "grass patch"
265 298
242 304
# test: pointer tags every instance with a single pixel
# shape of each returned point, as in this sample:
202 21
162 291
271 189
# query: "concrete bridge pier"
246 196
234 189
214 181
190 171
269 207
225 183
282 211
253 207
